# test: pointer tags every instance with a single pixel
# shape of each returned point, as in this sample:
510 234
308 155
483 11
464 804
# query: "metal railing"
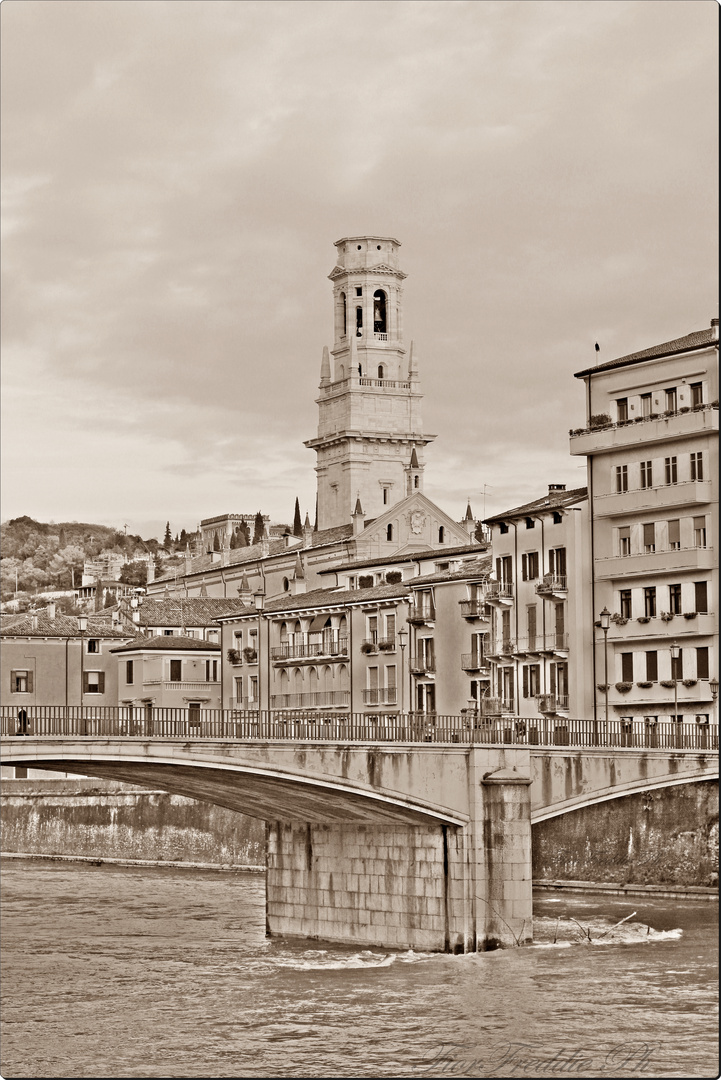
419 665
662 414
474 609
312 699
171 684
380 695
499 591
420 612
142 721
473 662
552 583
552 703
373 645
306 651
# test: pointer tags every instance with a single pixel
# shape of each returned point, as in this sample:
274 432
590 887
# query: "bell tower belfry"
369 408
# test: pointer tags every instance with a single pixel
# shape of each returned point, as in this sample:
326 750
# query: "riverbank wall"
667 837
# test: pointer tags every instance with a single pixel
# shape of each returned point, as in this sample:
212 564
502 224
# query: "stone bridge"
421 845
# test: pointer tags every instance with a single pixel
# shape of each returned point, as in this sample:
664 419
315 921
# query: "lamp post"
402 635
605 618
82 627
259 604
674 649
713 687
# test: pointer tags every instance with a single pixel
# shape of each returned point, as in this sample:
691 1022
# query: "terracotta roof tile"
190 611
41 625
163 642
555 500
479 568
695 340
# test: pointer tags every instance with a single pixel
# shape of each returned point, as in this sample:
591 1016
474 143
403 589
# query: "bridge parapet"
334 726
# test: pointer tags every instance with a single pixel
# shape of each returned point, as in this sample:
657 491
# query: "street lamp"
259 603
605 618
82 627
402 635
675 652
713 687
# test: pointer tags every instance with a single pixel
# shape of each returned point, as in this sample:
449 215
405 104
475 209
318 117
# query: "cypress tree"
297 523
258 529
168 538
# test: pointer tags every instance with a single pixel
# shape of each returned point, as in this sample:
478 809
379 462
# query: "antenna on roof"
597 347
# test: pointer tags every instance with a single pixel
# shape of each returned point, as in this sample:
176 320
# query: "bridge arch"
633 787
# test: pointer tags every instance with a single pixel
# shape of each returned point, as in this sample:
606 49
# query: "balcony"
380 695
553 585
194 686
475 609
420 612
656 697
701 625
552 704
245 704
666 497
292 652
474 662
501 647
375 645
314 700
630 434
380 337
421 665
500 592
655 562
491 706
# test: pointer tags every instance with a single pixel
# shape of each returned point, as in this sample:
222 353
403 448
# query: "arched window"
359 321
344 324
389 532
341 371
381 372
286 584
379 312
441 535
416 480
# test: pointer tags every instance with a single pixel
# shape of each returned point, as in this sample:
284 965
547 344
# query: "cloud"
175 176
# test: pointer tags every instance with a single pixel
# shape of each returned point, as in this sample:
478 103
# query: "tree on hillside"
134 573
297 523
183 539
258 528
168 538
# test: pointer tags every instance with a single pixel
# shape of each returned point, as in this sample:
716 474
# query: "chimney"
556 487
150 571
298 576
50 611
714 329
34 622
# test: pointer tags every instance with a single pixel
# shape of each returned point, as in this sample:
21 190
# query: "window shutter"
524 567
525 680
674 531
701 600
30 682
101 682
86 682
498 569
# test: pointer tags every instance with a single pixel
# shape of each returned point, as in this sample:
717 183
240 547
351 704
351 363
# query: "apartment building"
164 672
651 444
538 643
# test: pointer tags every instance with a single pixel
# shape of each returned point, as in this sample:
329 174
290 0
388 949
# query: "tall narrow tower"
369 408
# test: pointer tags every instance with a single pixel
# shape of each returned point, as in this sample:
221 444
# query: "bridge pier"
429 886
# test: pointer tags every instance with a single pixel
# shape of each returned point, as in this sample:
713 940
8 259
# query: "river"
121 972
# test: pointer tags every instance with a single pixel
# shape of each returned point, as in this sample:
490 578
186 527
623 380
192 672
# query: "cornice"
379 268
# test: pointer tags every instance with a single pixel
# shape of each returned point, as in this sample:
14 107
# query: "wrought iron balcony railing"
474 662
475 609
500 592
420 665
312 700
380 695
308 651
421 612
552 704
374 645
552 585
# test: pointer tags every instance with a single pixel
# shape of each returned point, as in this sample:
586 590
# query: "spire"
358 517
358 507
298 573
307 532
325 367
469 522
469 512
245 592
414 459
203 590
412 362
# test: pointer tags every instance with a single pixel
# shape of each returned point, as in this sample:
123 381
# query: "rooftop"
62 626
190 611
407 557
163 642
328 598
554 500
479 568
698 339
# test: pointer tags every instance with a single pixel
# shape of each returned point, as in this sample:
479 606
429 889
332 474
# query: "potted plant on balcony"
619 619
667 616
624 687
690 614
368 647
387 645
643 618
599 420
250 654
602 687
689 682
234 656
668 684
644 685
685 408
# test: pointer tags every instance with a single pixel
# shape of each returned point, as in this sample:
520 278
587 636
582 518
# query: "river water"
122 972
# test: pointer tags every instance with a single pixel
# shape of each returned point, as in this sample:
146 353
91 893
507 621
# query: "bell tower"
369 408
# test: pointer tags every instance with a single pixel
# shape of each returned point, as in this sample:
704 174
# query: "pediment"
379 268
417 519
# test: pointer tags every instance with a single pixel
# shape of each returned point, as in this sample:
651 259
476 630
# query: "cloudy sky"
175 175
